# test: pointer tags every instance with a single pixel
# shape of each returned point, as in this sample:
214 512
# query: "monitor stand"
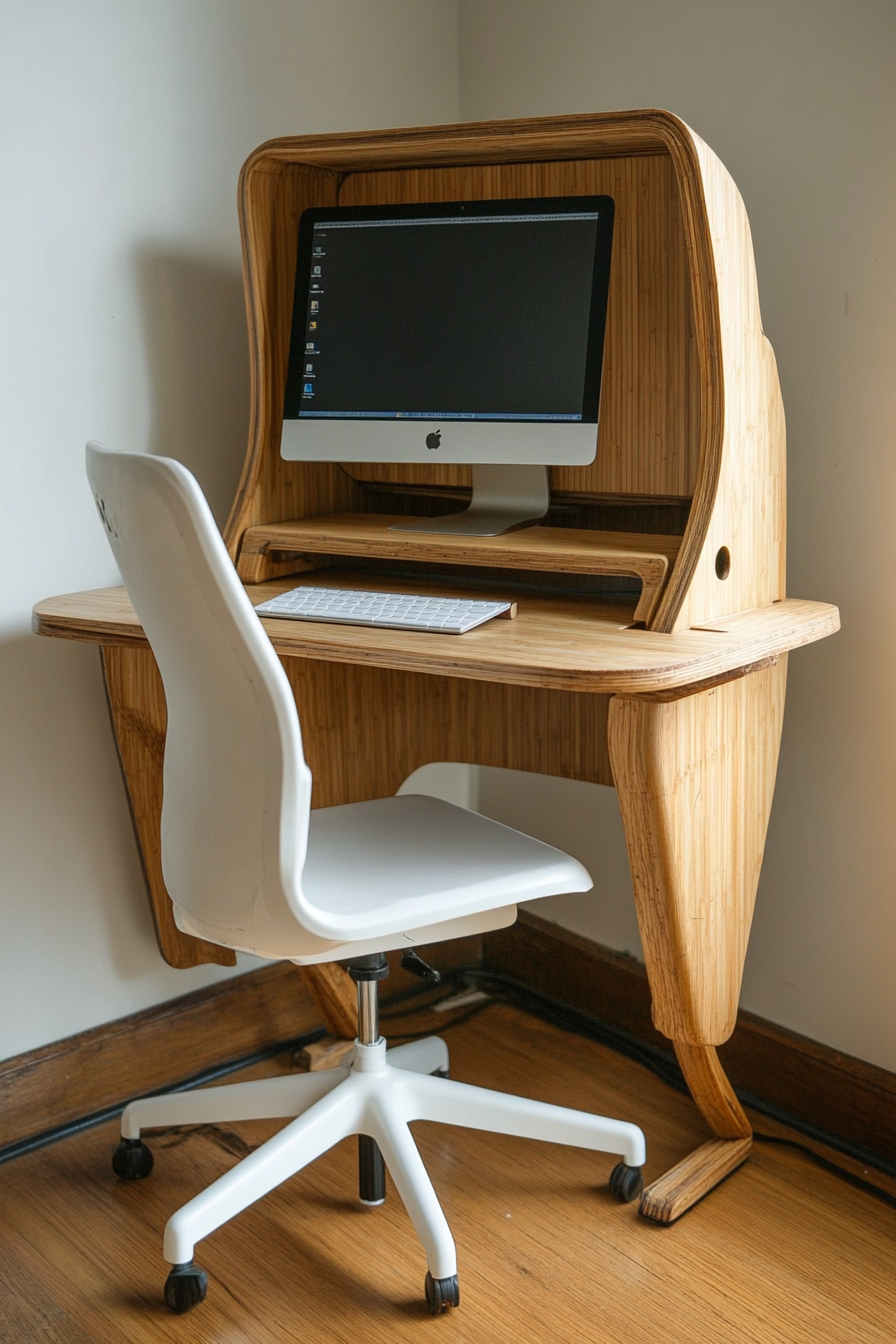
504 499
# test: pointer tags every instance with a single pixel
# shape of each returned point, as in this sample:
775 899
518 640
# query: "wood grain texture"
666 397
355 754
695 779
691 1179
563 645
740 500
139 715
333 991
649 414
691 408
781 1253
712 1091
550 550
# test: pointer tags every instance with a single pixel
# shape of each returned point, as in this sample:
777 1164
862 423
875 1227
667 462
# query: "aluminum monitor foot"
504 499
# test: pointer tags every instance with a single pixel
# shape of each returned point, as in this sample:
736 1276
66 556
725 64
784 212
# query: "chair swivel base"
378 1096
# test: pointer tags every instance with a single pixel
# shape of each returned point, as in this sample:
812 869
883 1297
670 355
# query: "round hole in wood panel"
723 562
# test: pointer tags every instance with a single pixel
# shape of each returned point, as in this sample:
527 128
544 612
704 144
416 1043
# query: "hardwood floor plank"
782 1253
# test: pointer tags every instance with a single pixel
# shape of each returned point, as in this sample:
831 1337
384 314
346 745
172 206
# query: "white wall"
798 98
123 126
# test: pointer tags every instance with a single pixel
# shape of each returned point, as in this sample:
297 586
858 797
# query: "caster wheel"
132 1160
626 1182
441 1294
185 1287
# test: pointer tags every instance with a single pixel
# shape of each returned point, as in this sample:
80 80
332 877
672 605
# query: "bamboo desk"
675 695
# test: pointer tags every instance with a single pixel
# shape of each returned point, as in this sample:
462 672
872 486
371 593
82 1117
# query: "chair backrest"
237 789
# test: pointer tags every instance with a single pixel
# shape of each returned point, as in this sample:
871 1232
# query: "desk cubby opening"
690 408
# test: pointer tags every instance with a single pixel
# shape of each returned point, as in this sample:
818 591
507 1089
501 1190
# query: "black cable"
827 1165
71 1127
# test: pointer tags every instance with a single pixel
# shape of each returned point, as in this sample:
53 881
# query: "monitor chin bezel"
489 442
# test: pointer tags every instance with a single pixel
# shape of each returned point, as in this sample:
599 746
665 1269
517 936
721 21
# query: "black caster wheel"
441 1294
185 1287
132 1160
626 1182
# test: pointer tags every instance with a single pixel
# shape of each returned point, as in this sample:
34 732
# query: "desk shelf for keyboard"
556 645
296 546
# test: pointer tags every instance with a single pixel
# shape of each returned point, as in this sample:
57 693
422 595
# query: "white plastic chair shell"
246 861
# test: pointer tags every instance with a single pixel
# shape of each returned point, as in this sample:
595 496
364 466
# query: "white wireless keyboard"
399 611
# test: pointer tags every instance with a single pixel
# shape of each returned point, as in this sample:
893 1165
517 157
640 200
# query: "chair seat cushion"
412 860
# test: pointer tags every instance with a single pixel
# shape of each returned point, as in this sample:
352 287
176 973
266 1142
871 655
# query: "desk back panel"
355 754
650 405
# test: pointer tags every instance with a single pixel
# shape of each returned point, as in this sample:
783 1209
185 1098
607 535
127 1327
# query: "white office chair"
250 866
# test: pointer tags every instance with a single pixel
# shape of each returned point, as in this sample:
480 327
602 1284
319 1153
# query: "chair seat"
412 860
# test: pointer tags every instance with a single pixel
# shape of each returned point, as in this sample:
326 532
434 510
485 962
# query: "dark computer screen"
489 310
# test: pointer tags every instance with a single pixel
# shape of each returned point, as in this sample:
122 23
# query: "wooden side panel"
366 729
695 779
740 503
140 719
272 197
649 419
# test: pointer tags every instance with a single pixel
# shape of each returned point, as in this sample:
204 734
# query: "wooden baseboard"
145 1051
154 1049
102 1068
844 1096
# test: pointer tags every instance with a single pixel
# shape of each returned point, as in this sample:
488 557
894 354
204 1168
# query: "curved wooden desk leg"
139 716
695 777
333 990
139 719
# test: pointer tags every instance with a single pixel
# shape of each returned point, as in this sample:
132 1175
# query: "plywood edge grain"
646 131
695 1176
558 646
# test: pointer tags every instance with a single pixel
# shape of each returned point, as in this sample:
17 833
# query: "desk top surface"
559 644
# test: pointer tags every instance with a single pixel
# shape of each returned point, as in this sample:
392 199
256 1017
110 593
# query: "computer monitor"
462 332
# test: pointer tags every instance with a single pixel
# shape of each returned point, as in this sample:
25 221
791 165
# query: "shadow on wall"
197 352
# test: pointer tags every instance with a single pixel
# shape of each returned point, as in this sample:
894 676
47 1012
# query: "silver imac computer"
465 332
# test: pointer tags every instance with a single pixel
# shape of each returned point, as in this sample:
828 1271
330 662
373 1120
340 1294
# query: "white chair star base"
378 1095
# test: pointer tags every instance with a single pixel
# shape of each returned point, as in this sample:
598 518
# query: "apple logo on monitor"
434 441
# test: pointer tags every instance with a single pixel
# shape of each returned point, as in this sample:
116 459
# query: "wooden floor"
780 1254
